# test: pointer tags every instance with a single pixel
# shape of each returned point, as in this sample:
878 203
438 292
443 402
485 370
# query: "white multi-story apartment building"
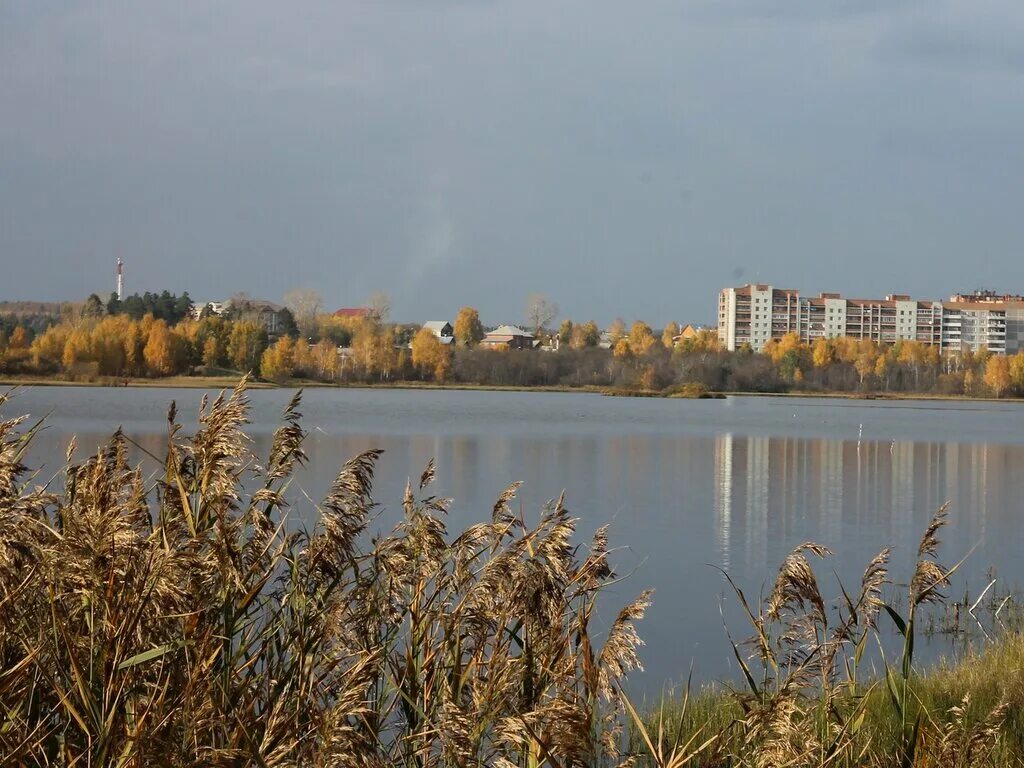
754 314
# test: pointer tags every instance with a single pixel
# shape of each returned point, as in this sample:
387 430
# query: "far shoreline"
229 382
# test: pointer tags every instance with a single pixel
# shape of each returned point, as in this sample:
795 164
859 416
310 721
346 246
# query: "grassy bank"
973 707
809 696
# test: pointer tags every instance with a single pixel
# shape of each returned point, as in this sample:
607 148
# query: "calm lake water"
686 484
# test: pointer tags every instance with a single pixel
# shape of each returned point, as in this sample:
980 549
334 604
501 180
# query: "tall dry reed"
806 700
179 621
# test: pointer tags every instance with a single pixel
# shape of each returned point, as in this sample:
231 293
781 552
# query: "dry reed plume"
179 622
806 703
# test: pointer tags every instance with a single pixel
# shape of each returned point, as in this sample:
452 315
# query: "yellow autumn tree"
364 349
161 352
19 338
617 330
134 342
704 340
246 344
969 382
585 335
565 333
326 361
777 349
882 369
864 363
622 350
468 329
373 350
997 374
979 358
107 346
430 356
847 349
278 360
303 358
76 349
669 334
641 338
648 378
48 347
822 353
1017 372
912 354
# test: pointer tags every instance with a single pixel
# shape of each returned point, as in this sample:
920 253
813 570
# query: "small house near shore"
274 318
689 332
353 312
442 329
508 337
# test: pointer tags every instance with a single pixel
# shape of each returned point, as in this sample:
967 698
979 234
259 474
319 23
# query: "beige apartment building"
753 314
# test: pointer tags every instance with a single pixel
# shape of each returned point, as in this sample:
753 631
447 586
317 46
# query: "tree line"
112 341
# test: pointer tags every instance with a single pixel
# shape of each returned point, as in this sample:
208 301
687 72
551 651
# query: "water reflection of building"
830 491
723 496
902 493
742 459
758 479
772 493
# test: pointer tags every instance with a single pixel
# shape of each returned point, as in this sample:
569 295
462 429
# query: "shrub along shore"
685 392
182 620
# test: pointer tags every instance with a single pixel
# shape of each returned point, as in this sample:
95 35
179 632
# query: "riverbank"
884 396
227 382
169 382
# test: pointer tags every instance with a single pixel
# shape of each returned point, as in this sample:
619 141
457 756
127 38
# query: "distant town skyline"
754 315
625 160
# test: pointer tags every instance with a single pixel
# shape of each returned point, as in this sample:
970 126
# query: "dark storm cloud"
626 159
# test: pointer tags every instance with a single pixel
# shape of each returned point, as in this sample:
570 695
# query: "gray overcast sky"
625 158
